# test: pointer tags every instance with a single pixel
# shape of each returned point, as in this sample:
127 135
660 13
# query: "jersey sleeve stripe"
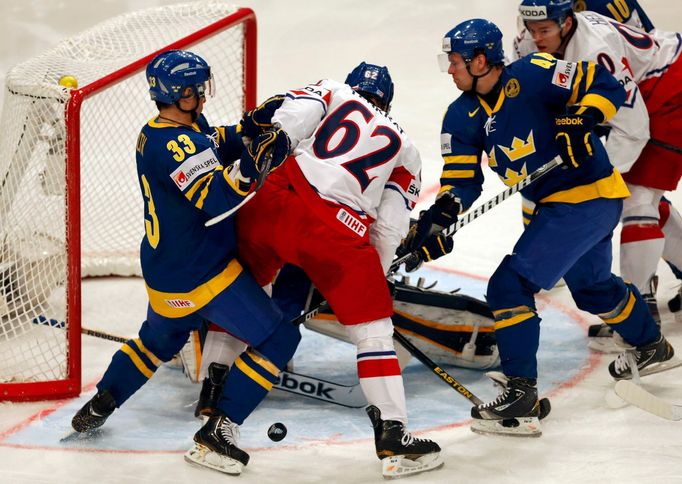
458 174
204 193
461 159
198 184
311 98
409 204
401 177
600 102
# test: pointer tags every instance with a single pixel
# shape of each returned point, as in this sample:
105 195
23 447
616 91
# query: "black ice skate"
94 413
400 453
514 412
211 389
215 446
652 358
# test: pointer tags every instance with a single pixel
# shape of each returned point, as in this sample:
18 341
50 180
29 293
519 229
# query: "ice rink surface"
299 42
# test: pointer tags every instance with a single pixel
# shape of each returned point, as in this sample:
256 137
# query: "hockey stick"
481 209
639 397
90 332
665 146
428 362
450 380
350 396
259 183
307 386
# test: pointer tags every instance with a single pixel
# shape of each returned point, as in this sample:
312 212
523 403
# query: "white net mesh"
33 213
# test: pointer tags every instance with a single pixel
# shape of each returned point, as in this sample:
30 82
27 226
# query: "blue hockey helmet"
472 37
170 72
373 81
556 10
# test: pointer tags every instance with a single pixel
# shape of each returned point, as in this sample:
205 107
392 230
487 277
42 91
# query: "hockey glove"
573 131
257 120
271 146
440 215
436 246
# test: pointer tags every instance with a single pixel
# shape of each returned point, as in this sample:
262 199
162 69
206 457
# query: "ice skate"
211 389
514 412
651 358
400 453
94 413
215 447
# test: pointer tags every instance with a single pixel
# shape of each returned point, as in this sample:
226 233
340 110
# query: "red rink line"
593 362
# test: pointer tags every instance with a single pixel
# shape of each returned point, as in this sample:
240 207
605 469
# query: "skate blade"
203 456
513 427
398 466
75 436
659 367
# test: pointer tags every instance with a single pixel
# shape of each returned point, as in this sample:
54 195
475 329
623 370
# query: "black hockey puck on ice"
277 431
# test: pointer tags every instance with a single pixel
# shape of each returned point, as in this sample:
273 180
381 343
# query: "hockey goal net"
69 199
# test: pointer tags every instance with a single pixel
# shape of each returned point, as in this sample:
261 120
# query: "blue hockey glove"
441 214
573 130
437 245
258 120
271 144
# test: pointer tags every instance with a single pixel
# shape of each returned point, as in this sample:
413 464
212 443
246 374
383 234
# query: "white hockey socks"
378 368
641 240
219 347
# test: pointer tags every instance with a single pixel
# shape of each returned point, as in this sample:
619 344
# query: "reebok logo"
569 121
290 383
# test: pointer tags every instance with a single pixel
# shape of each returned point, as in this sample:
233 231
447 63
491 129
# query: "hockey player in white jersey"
642 142
338 208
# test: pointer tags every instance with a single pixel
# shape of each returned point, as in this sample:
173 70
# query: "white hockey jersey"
632 56
354 154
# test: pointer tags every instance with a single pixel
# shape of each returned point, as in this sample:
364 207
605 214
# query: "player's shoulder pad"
536 69
319 91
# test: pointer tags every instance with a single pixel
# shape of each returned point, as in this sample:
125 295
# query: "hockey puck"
277 431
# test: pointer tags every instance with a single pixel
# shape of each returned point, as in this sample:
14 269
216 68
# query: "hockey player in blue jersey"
523 115
191 272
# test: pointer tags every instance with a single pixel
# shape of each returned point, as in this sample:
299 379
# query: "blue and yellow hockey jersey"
184 181
518 135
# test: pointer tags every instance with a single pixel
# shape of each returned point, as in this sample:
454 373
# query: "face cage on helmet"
201 90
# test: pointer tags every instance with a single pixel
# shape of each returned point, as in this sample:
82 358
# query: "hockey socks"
130 368
248 382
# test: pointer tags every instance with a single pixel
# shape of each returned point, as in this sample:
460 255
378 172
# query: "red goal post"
70 205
